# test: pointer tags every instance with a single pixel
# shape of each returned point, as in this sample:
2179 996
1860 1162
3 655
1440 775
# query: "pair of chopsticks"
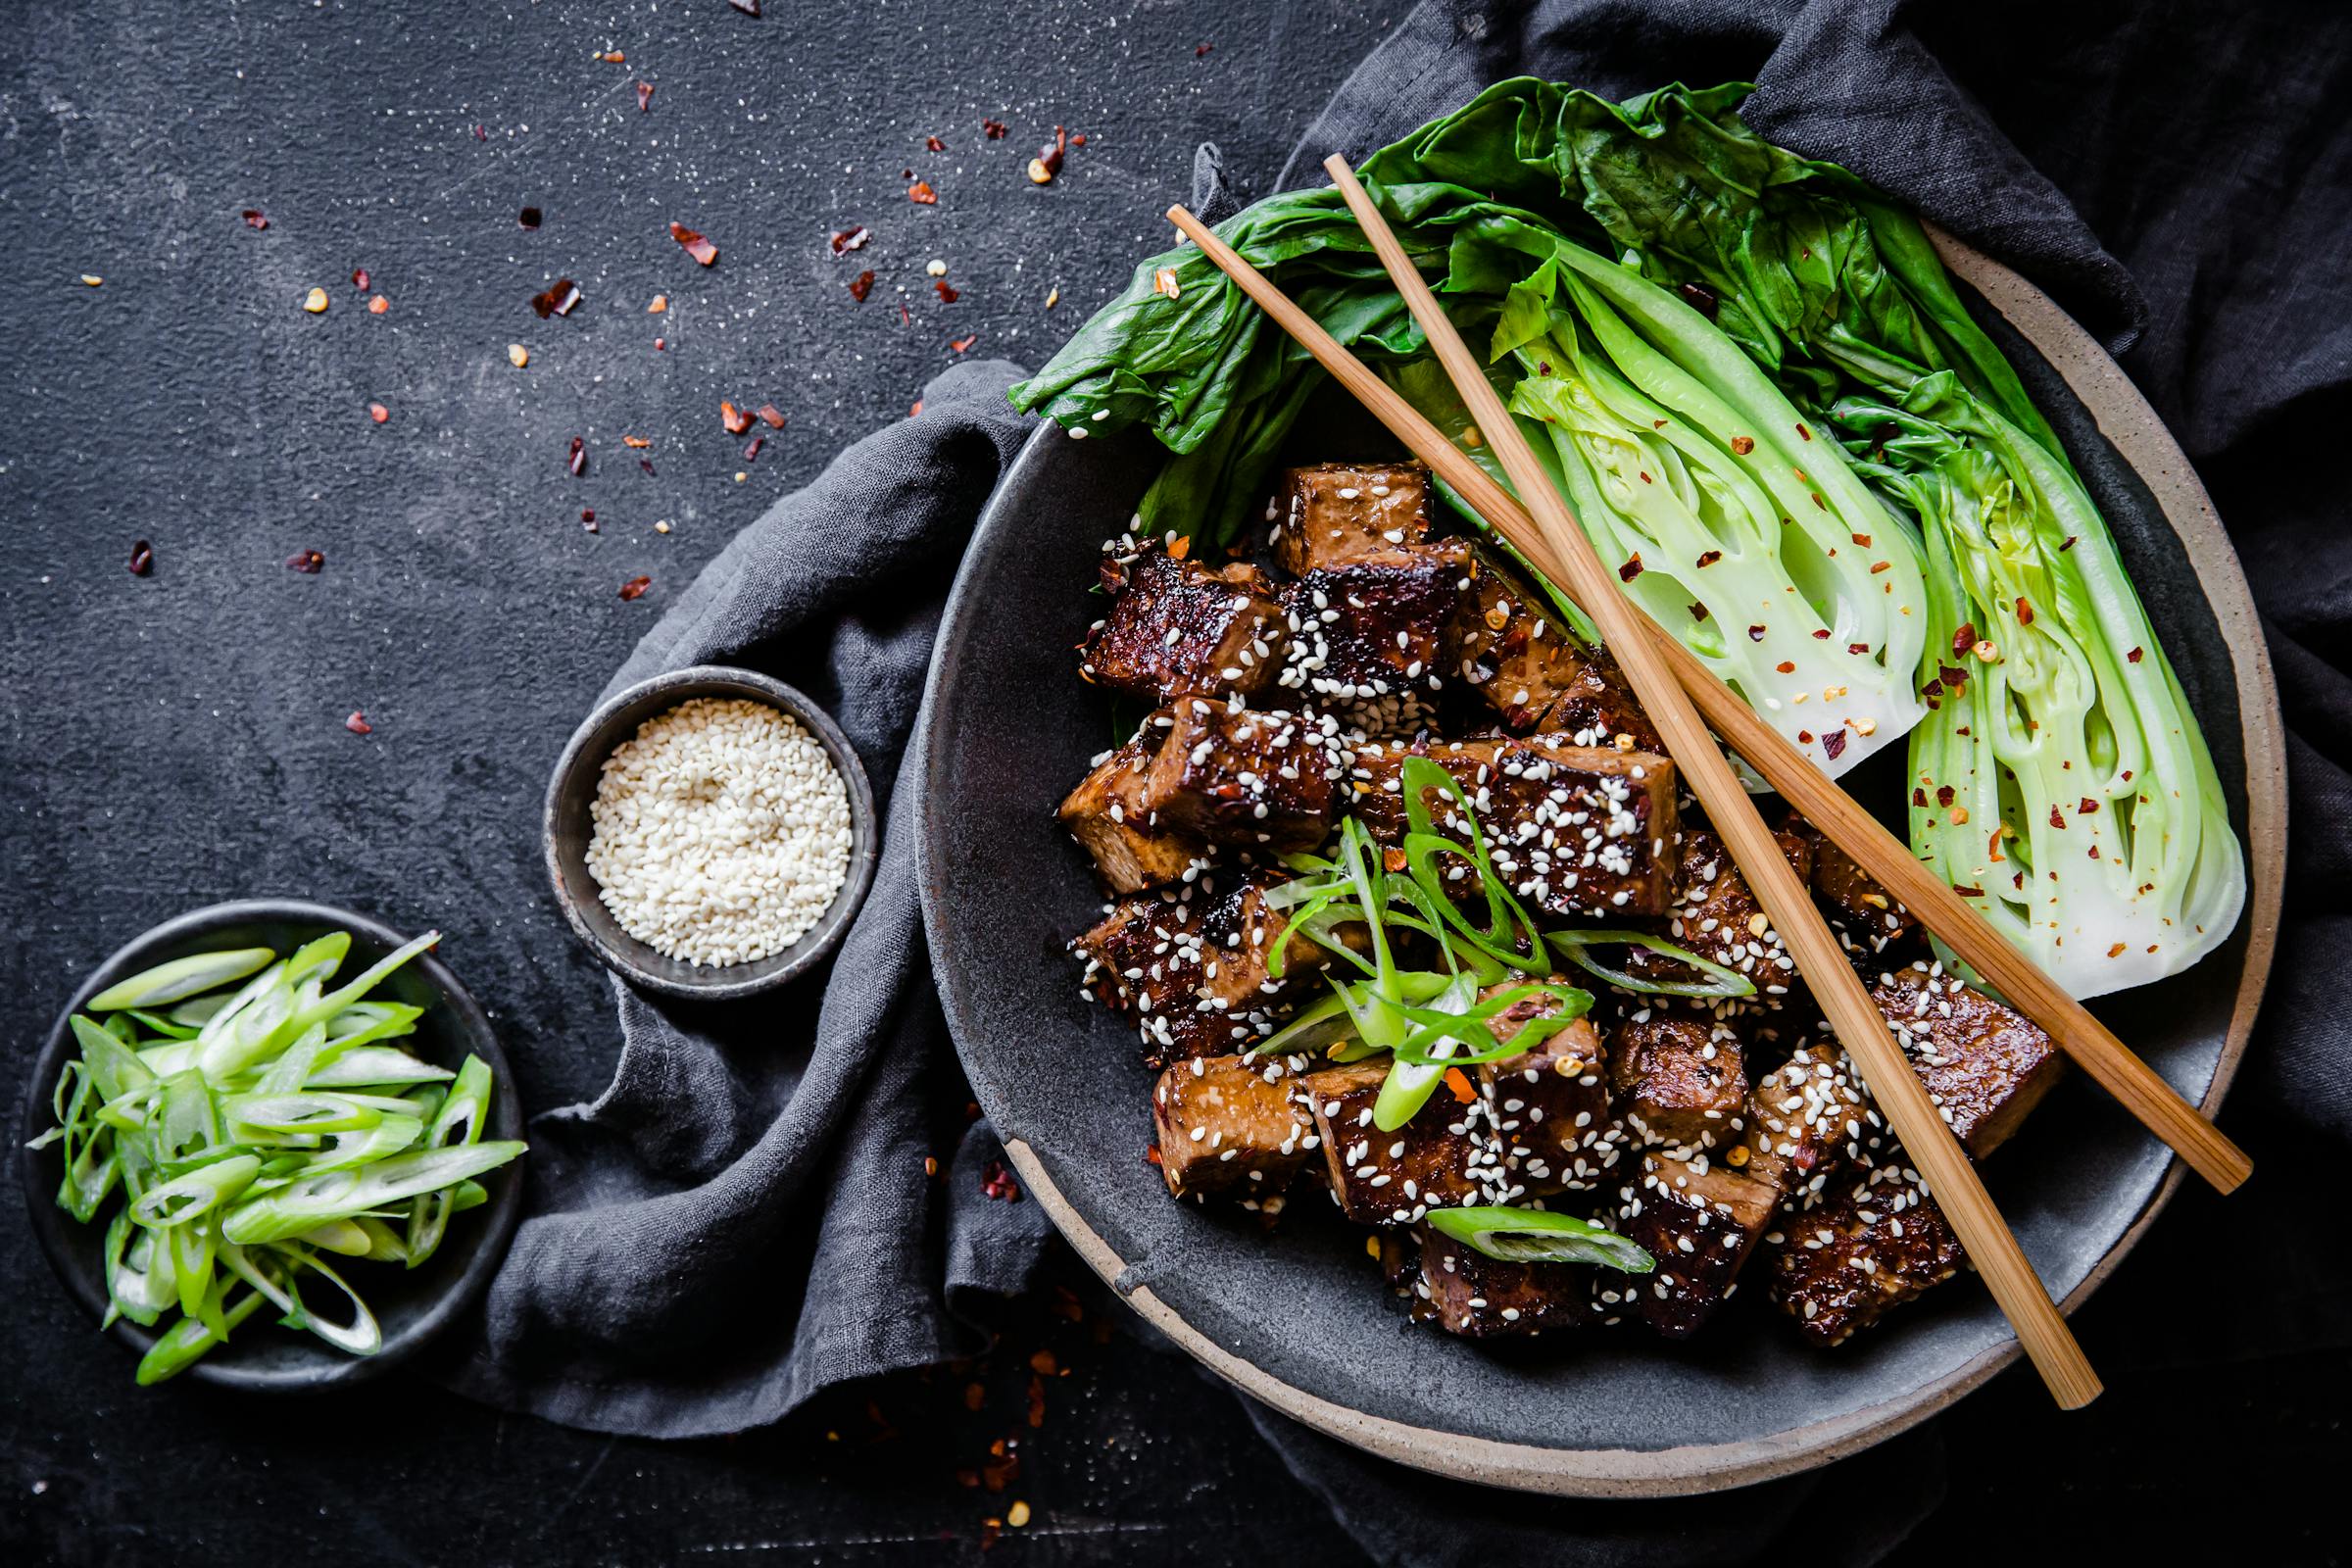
1669 680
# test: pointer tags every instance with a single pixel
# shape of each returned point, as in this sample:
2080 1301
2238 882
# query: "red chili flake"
635 587
1954 678
1710 558
636 443
576 460
1632 567
1742 445
360 279
991 1532
905 315
1804 737
1822 635
1199 50
1919 798
2088 806
734 418
1968 893
859 285
1862 540
1051 154
959 345
1857 648
997 1182
1802 431
917 409
613 57
1786 667
378 412
661 343
1078 140
1702 299
2068 545
850 239
750 8
947 295
935 144
751 453
1964 639
1037 1400
1151 1154
556 299
254 217
701 249
1823 504
1944 795
481 133
993 129
1755 634
142 557
309 562
2057 817
1697 612
2025 612
922 194
588 516
2134 656
647 463
1833 745
644 97
358 723
770 415
529 217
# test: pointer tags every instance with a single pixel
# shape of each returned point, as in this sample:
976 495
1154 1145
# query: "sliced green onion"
196 1194
161 1024
334 1002
341 1194
1721 982
344 1236
277 1115
139 1282
369 1065
361 1336
180 1346
115 1069
179 979
197 1011
367 1145
1538 1236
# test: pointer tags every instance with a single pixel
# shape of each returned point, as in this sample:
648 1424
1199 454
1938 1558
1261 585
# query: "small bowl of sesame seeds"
710 833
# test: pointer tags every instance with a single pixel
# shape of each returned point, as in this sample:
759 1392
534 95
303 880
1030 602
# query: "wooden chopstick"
2142 1090
1930 1143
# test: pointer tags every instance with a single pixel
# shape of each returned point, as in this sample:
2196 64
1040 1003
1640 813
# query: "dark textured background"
179 739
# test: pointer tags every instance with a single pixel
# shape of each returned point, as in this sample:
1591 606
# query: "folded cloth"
744 1217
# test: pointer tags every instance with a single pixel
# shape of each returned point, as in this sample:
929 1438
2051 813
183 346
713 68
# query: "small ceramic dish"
412 1306
572 791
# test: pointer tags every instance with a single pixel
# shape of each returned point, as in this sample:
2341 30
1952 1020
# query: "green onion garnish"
1538 1236
1576 946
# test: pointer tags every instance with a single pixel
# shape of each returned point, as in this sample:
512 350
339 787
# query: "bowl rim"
58 1233
595 739
2140 436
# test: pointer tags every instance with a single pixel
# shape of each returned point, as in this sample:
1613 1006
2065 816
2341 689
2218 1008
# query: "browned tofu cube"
1381 626
1230 1127
1869 918
1806 1118
1577 830
1143 960
1436 1160
1875 1241
1550 1108
1336 512
1699 1221
1985 1066
1680 1079
1107 815
1716 915
1481 1297
1536 675
1254 778
1176 627
1241 933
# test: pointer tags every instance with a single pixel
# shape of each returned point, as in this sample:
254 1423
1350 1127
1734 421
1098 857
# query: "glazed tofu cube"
1680 1079
1700 1222
1380 626
1534 673
1336 512
1551 1106
1241 935
1478 1296
1716 915
1876 1240
1257 779
1985 1066
1143 960
1436 1160
1869 918
1577 830
1806 1118
1178 627
1106 815
1230 1127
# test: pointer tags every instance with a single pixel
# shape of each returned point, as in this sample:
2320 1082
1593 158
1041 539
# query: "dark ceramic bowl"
412 1306
572 791
1297 1317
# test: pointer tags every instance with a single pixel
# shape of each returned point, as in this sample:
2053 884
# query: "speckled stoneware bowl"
412 1305
572 791
1298 1318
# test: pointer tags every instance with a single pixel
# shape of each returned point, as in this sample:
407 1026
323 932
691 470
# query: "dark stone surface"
179 738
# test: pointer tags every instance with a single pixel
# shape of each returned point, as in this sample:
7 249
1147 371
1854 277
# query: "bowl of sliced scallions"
272 1145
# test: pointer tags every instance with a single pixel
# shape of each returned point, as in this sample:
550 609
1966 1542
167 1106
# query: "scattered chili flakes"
1821 634
997 1182
529 217
861 285
358 723
2057 817
1742 445
647 463
613 57
2088 806
2133 657
1048 162
1709 558
1877 567
935 144
575 457
1065 1304
1755 634
2025 612
309 562
588 519
751 453
750 8
314 301
1200 50
644 97
975 1395
1833 745
1861 540
701 249
557 299
1042 1362
1697 612
947 295
922 194
1802 431
1919 797
378 412
142 557
1952 679
1701 299
734 418
1151 1154
255 218
1786 667
378 306
1632 567
850 239
635 587
1964 639
1458 1084
518 355
917 409
1037 1400
636 441
993 129
959 345
660 344
770 415
2070 543
1163 282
